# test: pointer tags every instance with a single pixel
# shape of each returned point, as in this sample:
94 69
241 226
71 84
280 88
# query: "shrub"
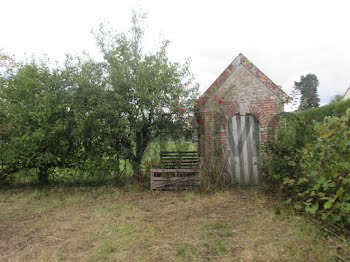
323 187
319 113
282 151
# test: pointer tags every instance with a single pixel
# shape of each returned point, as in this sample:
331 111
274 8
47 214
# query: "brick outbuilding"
236 111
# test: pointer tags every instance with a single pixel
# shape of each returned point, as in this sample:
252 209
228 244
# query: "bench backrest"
183 160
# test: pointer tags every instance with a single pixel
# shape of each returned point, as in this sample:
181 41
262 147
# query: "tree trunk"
142 139
136 167
117 171
43 175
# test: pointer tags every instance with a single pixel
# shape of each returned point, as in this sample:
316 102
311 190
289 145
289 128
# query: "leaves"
340 192
315 172
308 88
88 114
328 205
35 103
312 209
151 87
297 206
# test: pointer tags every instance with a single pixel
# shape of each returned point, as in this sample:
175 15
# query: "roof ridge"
242 60
262 77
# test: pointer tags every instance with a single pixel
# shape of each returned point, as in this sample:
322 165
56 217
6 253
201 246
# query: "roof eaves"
264 79
241 59
346 92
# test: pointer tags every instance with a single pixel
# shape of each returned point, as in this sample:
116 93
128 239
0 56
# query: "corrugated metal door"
243 134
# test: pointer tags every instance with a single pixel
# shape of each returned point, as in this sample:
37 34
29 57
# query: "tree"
148 88
87 115
38 124
57 118
308 89
99 127
336 98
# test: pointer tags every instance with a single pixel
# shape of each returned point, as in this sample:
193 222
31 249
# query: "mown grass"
111 224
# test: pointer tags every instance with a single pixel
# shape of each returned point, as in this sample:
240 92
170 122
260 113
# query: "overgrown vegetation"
312 167
318 114
287 136
214 176
214 167
90 119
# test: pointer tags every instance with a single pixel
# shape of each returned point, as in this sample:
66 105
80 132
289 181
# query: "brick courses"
244 89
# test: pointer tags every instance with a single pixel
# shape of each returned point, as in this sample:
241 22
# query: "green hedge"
323 185
310 163
318 114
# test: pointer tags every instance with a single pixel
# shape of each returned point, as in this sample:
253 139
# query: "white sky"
284 39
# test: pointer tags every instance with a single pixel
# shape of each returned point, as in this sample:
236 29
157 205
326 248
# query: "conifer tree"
308 89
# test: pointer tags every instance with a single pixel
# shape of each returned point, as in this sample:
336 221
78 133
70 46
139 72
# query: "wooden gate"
243 135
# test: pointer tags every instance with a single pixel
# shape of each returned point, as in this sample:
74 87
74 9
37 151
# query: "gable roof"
346 94
242 60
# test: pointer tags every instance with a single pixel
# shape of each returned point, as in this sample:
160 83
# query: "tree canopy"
153 93
308 89
86 115
336 98
36 123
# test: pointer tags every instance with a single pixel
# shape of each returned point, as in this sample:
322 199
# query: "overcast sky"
284 39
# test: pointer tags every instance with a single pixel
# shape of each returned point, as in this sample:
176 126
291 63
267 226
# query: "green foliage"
82 119
308 89
318 114
314 170
287 136
58 122
99 128
148 88
336 98
36 125
324 185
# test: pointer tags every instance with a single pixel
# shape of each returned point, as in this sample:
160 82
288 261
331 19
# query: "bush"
319 113
282 151
323 187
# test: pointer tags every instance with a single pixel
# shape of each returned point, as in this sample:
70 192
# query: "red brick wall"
249 95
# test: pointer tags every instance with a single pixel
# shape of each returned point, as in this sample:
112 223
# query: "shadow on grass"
64 184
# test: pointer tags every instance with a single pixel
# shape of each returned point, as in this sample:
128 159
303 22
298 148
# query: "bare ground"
108 224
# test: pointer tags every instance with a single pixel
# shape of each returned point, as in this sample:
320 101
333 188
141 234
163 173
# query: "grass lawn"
111 224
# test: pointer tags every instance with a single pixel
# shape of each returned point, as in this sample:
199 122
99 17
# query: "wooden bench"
182 160
177 170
